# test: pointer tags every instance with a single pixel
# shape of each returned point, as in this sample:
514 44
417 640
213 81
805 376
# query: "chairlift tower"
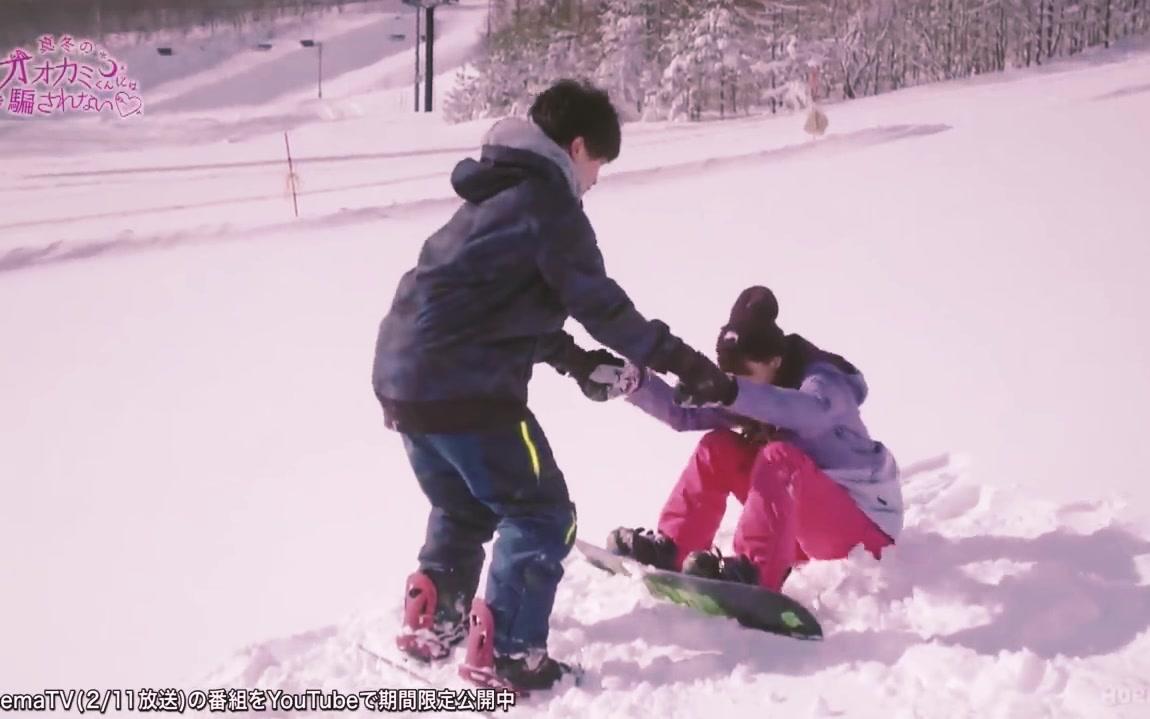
428 8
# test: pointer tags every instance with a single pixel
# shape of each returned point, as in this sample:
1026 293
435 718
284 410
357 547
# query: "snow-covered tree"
690 59
628 60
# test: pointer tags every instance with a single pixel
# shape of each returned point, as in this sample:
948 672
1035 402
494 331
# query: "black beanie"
751 332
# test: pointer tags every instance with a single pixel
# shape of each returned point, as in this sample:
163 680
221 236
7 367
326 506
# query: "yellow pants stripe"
530 447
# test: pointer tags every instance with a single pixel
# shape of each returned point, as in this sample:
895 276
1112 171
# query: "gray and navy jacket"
816 408
492 289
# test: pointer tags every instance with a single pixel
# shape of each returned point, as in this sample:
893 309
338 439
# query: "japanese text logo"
67 76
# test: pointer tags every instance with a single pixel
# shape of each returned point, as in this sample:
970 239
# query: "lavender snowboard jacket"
821 418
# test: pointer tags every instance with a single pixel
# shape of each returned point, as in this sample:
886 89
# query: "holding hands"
601 375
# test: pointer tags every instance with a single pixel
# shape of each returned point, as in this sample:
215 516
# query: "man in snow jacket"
487 300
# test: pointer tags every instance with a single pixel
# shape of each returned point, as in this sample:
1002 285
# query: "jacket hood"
513 150
801 358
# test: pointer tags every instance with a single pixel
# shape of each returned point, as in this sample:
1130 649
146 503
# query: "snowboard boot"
433 622
534 670
713 565
643 545
521 673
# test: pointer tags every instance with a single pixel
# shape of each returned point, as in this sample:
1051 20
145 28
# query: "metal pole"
417 59
291 176
429 65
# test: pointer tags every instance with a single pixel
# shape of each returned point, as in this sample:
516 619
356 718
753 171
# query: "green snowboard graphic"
753 607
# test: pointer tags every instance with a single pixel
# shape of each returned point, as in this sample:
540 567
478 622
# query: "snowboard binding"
422 638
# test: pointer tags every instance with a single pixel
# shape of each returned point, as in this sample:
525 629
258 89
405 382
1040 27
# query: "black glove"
596 371
702 383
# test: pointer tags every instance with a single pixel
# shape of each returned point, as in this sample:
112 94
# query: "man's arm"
554 348
571 263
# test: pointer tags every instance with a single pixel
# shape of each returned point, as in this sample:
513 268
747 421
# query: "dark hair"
751 332
573 108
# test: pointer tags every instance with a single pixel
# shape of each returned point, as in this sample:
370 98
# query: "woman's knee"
723 459
782 462
723 444
782 452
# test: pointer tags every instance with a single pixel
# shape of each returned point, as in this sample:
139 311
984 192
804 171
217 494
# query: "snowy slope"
193 463
983 610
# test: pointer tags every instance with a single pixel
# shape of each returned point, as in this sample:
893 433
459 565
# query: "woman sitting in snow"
787 440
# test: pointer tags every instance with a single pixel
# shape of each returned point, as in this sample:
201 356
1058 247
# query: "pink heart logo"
128 105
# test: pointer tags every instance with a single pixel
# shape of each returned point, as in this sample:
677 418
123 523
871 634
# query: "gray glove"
611 381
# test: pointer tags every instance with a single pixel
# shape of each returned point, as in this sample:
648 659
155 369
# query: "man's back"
467 324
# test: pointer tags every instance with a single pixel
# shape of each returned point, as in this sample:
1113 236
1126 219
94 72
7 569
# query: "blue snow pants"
502 479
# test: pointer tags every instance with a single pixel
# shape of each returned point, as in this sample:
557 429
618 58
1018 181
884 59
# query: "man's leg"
457 528
693 512
513 472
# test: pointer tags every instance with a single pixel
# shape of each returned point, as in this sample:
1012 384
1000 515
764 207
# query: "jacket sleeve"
810 410
570 262
656 398
554 347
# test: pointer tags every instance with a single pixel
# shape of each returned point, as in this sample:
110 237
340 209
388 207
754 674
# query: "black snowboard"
752 606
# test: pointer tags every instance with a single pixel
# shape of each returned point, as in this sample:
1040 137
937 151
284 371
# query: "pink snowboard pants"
792 511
